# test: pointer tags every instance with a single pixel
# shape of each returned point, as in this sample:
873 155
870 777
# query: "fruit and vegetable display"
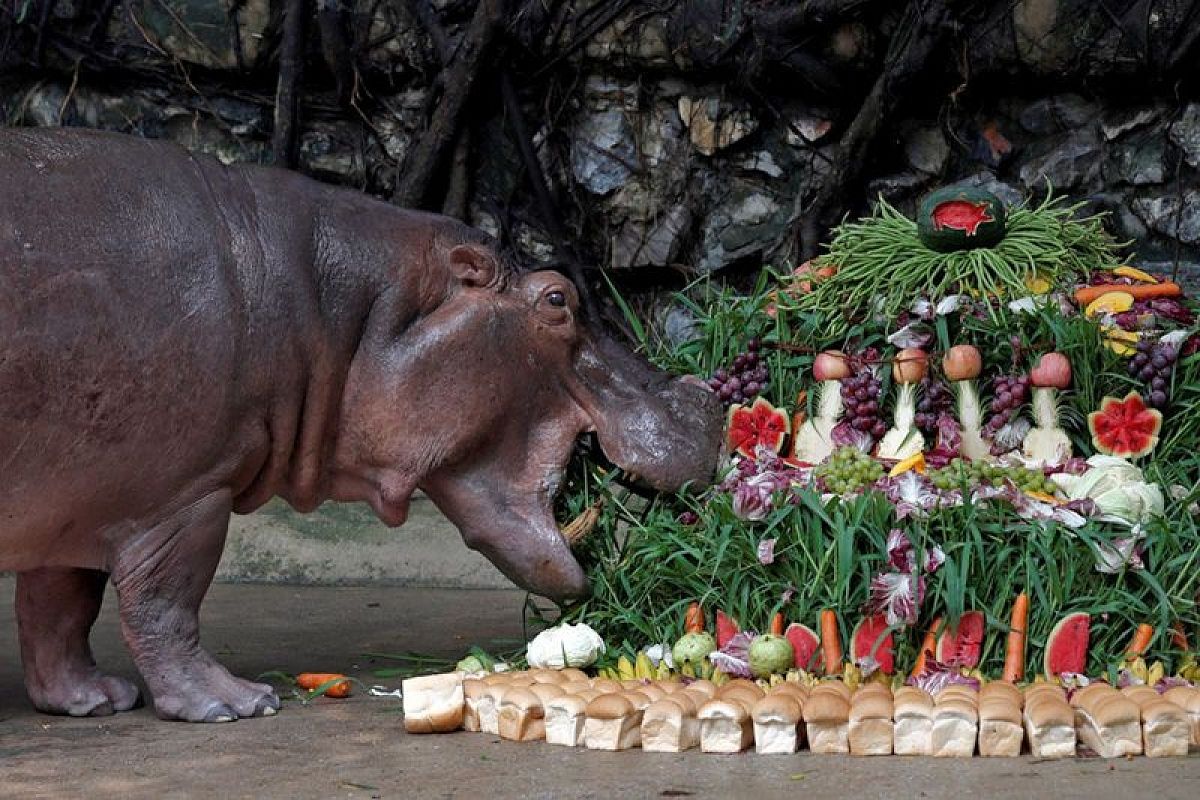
960 512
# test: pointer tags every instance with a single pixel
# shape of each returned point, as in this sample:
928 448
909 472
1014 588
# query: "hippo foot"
211 694
93 695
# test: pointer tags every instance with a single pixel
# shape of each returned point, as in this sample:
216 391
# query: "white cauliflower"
564 646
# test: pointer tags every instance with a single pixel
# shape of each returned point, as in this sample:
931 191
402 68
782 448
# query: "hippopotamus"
181 340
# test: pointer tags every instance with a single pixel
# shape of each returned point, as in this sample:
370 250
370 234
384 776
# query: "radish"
1046 442
962 365
904 440
814 439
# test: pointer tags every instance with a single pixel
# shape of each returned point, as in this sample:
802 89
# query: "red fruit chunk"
863 643
727 628
961 646
1067 644
805 645
1124 428
761 423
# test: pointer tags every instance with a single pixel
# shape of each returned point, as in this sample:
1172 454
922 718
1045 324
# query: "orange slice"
916 462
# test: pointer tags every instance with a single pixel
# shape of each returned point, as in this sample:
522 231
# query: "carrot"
1144 291
777 625
1014 652
831 644
693 620
928 647
1141 640
310 681
1178 637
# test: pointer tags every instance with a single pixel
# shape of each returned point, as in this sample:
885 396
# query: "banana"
606 672
625 671
851 675
775 680
1155 673
687 670
794 676
705 669
719 678
643 668
763 684
662 672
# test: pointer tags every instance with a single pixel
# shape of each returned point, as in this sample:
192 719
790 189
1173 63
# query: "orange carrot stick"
1014 652
314 680
1142 291
831 644
1178 637
1141 640
777 625
928 647
693 620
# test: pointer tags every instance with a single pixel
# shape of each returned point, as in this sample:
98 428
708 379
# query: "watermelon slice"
961 646
865 643
1067 644
1125 428
727 628
748 427
806 646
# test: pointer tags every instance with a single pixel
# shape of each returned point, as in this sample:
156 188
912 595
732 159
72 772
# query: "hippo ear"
473 264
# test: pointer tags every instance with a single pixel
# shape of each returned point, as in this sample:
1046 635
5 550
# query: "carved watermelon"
748 427
961 646
1067 644
727 628
960 218
865 643
806 646
1124 428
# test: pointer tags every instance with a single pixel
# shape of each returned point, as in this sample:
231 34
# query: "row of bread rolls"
565 707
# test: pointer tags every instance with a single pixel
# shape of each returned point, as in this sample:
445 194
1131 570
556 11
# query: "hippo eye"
557 299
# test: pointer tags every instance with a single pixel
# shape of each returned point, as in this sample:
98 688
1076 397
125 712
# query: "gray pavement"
356 748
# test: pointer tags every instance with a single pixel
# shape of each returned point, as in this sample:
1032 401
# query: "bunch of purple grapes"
860 396
1152 365
1008 395
935 400
745 379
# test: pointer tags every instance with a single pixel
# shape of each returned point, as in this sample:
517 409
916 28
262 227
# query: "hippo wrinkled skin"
180 340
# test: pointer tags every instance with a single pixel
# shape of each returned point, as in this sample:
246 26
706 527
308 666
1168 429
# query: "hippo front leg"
161 577
55 612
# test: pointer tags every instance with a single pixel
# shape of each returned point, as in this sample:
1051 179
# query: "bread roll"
475 692
522 716
433 703
776 719
573 675
494 678
670 725
704 686
612 723
955 727
1000 730
912 712
827 720
671 686
553 676
871 728
564 718
653 692
1049 722
958 691
1188 698
1107 721
1004 690
725 726
607 685
796 690
547 691
835 686
1166 728
745 696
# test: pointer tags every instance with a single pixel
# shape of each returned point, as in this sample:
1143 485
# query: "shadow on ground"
357 748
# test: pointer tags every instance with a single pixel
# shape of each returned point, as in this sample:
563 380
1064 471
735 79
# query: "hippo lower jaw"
523 542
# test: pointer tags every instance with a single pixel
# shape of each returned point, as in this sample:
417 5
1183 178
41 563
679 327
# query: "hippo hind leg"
161 577
56 608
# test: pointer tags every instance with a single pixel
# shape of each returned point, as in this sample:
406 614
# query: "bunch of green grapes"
848 470
981 473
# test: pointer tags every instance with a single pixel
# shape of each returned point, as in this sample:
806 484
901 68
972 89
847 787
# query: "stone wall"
663 149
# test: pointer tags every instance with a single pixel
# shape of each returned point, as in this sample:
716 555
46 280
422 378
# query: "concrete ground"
357 748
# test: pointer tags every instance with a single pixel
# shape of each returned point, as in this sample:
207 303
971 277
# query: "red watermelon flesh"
961 215
761 423
863 643
1067 644
806 646
727 628
962 646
